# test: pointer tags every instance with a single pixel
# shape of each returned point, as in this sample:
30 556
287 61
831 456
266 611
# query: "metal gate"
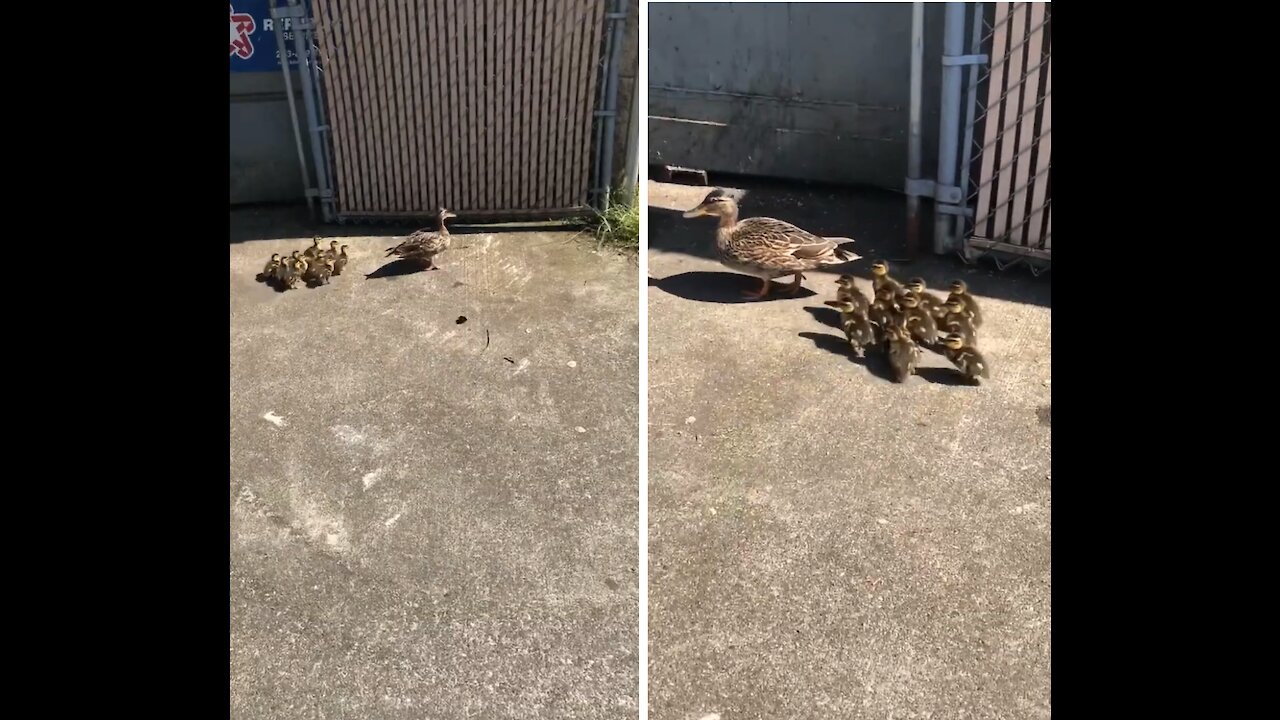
1008 138
491 108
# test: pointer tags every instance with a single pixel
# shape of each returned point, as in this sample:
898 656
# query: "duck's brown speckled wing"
778 245
421 242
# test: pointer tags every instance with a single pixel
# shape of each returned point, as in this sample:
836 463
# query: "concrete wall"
264 159
792 90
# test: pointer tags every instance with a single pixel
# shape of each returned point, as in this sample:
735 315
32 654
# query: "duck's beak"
700 210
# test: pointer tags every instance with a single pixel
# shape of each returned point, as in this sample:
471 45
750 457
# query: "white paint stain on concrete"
372 478
524 365
274 419
392 520
347 434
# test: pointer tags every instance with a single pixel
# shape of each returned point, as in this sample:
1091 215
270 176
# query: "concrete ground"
431 517
823 542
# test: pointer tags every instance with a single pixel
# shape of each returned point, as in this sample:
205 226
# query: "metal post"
608 104
309 100
971 101
293 116
631 173
914 148
949 131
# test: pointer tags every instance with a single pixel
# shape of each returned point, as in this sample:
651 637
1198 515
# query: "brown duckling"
958 319
340 262
846 290
903 352
290 272
880 277
331 253
857 329
931 303
883 311
269 271
965 357
321 273
959 289
917 320
286 266
314 250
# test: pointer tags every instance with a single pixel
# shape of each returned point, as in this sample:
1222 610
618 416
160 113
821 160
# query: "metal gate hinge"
948 209
952 60
919 187
288 11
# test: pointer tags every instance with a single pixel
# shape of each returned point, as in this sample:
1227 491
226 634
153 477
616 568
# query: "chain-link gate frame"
601 102
1006 163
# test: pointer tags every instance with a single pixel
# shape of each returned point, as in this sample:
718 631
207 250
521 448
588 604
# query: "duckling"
883 311
286 266
880 277
314 250
846 290
966 357
765 247
321 273
917 320
857 329
961 290
929 302
958 319
331 253
269 271
340 262
903 353
289 272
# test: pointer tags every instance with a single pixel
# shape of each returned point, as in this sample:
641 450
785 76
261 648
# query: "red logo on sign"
242 26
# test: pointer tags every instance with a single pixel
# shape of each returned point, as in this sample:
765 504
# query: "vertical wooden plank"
429 48
555 104
501 42
462 110
519 89
1046 241
591 75
378 111
386 102
1005 185
529 106
413 39
991 129
542 161
449 123
1023 172
367 125
577 37
489 84
1040 195
412 110
394 42
474 116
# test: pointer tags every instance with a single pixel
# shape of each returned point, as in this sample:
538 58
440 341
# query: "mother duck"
767 248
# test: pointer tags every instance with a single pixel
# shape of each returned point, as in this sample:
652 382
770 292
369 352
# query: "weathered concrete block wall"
810 91
264 158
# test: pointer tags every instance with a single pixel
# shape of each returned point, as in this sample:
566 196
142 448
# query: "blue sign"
253 37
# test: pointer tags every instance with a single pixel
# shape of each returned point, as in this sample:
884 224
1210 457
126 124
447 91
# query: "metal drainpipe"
914 148
293 115
611 99
949 131
309 100
971 103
